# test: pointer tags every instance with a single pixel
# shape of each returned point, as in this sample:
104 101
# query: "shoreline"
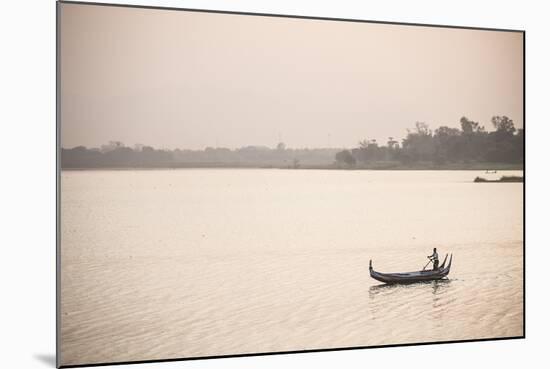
475 167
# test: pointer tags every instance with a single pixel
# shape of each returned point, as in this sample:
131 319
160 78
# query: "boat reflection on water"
435 286
430 297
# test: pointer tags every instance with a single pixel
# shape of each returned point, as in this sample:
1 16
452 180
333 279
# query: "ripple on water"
214 266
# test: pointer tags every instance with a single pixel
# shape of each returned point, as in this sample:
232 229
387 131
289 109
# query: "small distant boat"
413 277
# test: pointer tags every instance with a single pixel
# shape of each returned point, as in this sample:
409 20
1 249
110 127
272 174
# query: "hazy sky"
190 80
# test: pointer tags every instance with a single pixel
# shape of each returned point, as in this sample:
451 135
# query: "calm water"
197 262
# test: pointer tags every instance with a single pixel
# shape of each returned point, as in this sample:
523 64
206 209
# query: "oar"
427 264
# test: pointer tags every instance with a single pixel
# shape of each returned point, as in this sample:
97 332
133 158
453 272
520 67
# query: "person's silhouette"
434 258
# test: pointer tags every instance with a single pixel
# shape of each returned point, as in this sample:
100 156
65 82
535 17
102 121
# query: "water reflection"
383 289
274 269
401 298
440 286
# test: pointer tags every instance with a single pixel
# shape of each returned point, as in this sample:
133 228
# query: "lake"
159 264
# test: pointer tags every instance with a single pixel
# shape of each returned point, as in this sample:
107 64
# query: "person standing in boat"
434 258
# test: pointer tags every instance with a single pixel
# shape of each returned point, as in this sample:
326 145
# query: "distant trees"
470 143
116 155
345 158
419 144
506 143
281 146
368 151
503 124
447 144
392 144
470 127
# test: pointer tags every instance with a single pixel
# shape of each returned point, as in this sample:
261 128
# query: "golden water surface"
159 264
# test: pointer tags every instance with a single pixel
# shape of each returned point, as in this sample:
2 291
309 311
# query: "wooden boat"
503 179
413 277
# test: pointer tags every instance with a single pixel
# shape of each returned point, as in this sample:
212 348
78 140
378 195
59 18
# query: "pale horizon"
190 80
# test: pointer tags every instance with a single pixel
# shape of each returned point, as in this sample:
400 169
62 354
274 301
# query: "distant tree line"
116 155
469 144
443 147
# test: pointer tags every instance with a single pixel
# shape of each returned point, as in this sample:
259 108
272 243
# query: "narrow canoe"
413 277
